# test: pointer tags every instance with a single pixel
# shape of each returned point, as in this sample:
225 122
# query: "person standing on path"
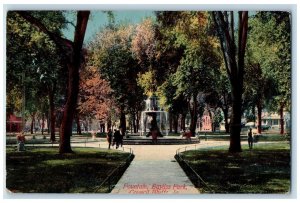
250 138
117 137
109 137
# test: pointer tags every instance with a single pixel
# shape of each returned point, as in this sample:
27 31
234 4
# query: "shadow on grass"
43 170
266 169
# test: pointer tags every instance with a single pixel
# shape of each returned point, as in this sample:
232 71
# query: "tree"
144 50
225 97
257 92
37 67
72 51
111 53
143 44
199 63
175 104
95 99
270 53
192 88
234 62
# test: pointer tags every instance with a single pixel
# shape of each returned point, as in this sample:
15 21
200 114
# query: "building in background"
14 124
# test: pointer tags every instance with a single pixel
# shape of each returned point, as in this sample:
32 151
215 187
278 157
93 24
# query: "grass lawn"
226 137
265 169
43 170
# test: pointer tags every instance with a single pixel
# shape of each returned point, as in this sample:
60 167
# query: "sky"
99 19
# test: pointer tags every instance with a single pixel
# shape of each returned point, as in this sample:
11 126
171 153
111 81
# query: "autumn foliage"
95 99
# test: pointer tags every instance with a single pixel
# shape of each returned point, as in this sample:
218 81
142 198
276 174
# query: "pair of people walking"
115 139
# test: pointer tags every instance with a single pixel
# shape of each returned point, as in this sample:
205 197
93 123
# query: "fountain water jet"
154 118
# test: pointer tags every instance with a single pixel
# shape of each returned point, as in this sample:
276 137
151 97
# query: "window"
275 122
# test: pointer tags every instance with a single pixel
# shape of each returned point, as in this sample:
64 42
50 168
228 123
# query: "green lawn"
265 169
43 170
226 137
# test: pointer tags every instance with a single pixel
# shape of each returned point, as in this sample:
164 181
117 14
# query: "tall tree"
175 104
199 63
37 66
111 53
72 52
233 55
95 96
269 50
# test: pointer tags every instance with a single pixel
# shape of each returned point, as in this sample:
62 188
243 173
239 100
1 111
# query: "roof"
14 119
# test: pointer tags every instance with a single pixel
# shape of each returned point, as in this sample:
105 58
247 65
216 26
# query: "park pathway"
154 170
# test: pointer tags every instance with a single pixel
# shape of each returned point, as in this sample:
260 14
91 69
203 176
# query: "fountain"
154 118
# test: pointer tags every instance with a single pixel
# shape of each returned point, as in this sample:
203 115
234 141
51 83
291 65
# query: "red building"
206 123
14 124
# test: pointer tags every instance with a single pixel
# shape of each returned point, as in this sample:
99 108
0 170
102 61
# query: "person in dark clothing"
117 138
109 138
154 135
250 138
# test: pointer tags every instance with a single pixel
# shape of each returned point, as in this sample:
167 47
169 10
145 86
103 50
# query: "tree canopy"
217 62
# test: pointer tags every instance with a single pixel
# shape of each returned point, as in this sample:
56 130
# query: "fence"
113 176
82 142
56 144
191 173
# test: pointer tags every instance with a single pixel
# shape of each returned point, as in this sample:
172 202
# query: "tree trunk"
182 122
73 65
193 112
175 122
65 131
52 114
102 127
78 125
134 123
281 119
137 121
32 123
108 123
225 111
48 122
130 125
43 123
123 121
254 113
170 122
259 110
235 121
234 63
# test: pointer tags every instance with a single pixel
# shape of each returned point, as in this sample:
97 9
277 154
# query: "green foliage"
269 47
200 61
13 101
148 82
217 118
32 54
168 98
192 62
111 53
197 70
